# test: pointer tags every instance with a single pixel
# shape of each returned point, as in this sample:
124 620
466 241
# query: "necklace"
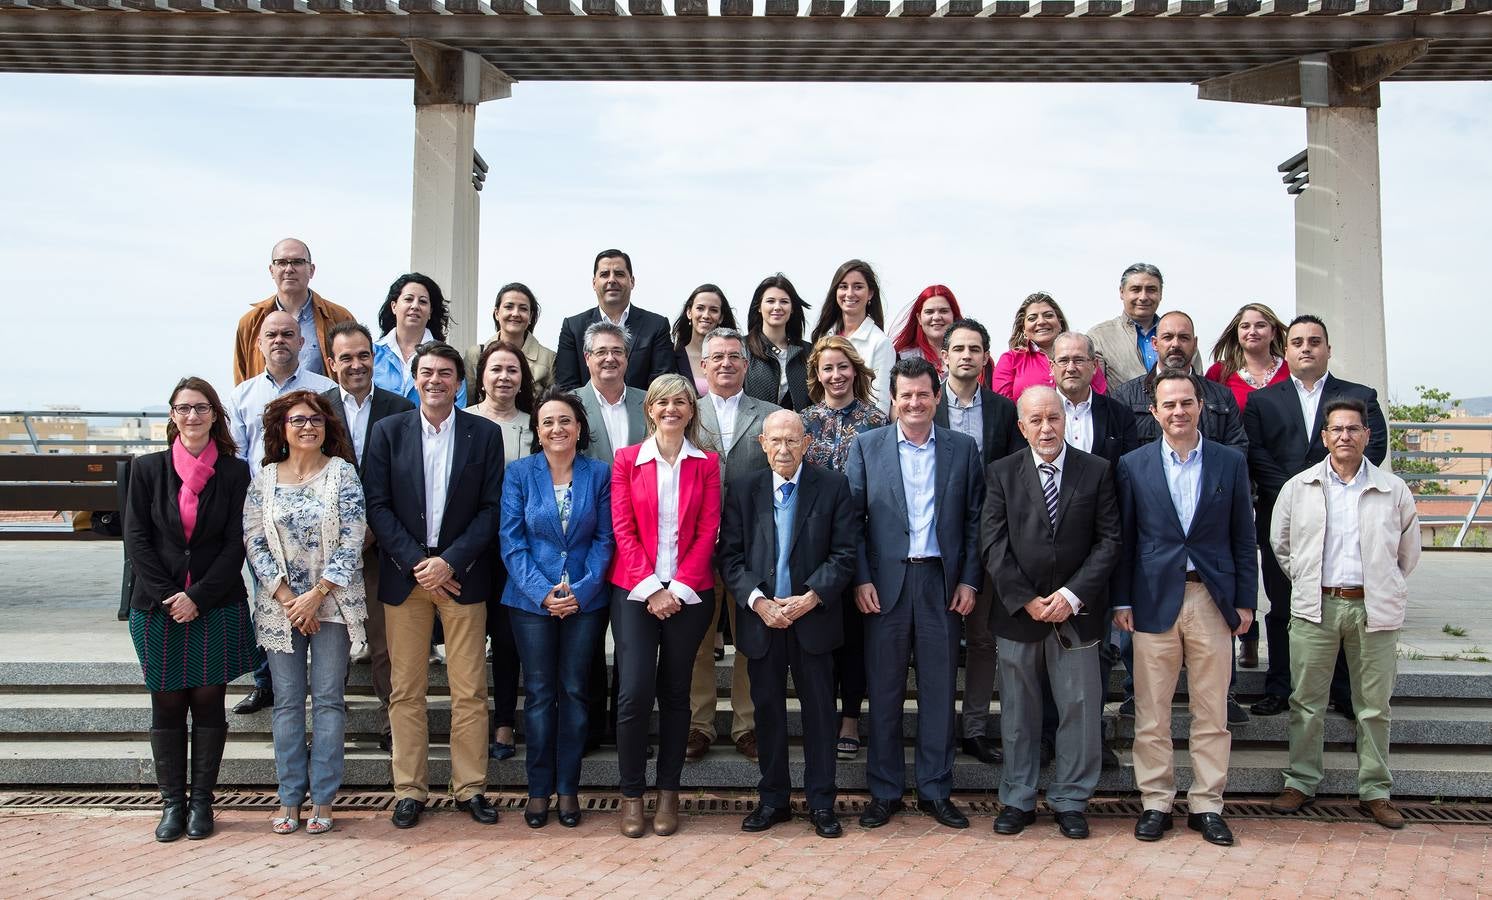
298 477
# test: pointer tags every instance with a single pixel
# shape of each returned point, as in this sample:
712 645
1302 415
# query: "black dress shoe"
1014 821
499 750
1108 759
1271 705
1072 824
879 812
1237 715
385 743
983 749
407 812
1343 705
1153 825
535 815
259 698
825 823
481 809
764 817
1214 829
943 811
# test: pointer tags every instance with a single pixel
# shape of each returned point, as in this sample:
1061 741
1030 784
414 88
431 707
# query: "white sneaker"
438 658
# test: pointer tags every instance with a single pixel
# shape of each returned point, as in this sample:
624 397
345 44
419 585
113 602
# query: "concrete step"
250 764
1415 722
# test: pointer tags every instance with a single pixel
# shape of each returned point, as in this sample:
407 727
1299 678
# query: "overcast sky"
139 212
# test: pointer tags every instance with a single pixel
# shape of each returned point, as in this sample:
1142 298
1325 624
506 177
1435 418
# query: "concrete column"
1339 241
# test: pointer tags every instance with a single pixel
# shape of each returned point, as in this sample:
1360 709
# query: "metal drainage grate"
739 804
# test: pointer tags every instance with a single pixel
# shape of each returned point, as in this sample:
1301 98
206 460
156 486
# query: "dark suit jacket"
822 557
394 485
651 354
874 470
1001 435
1028 559
1219 420
1113 429
385 404
1279 447
157 547
1221 542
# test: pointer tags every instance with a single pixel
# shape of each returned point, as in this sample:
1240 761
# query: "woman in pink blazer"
665 509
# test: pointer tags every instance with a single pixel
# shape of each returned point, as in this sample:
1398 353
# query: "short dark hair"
440 313
613 253
442 350
219 433
533 302
345 329
1348 404
557 394
914 367
1164 375
1308 319
967 325
525 396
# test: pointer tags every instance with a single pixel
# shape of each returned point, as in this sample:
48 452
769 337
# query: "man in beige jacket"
1347 534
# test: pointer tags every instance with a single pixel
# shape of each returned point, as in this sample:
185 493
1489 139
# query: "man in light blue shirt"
280 341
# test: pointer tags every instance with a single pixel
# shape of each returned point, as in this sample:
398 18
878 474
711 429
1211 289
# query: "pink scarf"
194 472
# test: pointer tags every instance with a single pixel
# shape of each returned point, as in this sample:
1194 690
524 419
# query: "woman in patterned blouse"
303 528
839 384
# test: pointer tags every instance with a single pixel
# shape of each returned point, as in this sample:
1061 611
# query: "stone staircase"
85 724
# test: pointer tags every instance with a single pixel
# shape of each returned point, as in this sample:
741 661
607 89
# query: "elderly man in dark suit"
650 351
361 406
1186 584
969 407
1281 446
787 551
433 480
1050 539
918 491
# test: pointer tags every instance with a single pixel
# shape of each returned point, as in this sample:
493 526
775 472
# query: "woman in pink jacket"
1038 321
665 509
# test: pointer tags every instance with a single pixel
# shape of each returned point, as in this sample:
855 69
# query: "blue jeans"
328 649
556 656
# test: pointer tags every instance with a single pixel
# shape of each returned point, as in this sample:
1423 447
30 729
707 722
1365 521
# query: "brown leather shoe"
697 746
1290 800
1383 812
633 825
746 745
1248 654
666 819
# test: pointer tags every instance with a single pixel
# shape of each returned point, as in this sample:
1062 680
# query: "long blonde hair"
1229 352
864 375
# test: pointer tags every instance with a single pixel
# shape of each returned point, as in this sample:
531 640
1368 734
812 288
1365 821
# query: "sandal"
318 825
848 747
286 824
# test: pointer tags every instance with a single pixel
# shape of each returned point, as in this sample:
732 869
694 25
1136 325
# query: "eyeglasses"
1349 430
718 358
1063 362
305 421
186 409
295 263
604 352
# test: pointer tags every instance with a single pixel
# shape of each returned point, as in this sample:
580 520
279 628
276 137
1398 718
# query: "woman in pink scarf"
189 615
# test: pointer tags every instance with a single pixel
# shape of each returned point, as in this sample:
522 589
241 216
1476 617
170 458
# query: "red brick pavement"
112 854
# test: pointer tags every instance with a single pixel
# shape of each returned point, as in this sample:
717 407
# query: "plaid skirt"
214 648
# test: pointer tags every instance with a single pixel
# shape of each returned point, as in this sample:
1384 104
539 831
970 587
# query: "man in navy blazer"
786 553
651 352
918 490
433 481
1281 447
1187 583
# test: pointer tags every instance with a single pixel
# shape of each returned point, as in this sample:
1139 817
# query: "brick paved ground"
111 854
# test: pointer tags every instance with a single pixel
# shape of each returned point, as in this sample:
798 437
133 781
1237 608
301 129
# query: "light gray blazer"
744 455
600 447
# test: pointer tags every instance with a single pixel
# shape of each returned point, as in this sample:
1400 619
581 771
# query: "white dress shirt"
1310 401
725 414
875 348
1059 463
1079 431
439 443
777 482
614 417
668 524
620 321
1341 558
357 419
919 482
1184 480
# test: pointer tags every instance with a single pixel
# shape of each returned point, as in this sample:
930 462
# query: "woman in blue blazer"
557 542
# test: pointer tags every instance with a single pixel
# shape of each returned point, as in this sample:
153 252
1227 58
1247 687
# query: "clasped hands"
1051 608
780 612
560 604
300 609
436 576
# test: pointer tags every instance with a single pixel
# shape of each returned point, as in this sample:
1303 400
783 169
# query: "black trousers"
849 661
504 664
654 660
813 675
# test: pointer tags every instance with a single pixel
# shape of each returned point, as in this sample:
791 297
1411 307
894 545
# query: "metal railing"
1424 428
52 442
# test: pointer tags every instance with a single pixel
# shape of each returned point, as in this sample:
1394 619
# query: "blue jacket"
534 547
1221 543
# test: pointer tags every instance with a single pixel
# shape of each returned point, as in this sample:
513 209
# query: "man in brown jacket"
291 269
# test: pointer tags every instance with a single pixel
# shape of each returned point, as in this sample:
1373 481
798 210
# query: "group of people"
857 505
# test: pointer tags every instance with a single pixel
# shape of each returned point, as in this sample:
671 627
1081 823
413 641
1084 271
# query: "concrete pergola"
1325 56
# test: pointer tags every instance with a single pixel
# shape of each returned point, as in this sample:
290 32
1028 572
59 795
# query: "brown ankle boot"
633 824
666 819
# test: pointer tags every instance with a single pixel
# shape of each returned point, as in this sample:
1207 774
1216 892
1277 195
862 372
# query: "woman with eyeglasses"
303 527
1038 321
414 313
189 617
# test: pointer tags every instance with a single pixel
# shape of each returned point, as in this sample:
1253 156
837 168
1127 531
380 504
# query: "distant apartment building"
64 430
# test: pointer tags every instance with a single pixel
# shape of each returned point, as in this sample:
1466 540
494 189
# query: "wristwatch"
321 588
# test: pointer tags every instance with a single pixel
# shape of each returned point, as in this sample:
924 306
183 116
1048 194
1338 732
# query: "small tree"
1433 406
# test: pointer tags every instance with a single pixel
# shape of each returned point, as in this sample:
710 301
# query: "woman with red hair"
921 331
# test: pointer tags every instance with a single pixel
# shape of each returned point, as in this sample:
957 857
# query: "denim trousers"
327 650
556 656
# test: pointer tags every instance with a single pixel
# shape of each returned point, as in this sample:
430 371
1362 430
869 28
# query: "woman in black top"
778 371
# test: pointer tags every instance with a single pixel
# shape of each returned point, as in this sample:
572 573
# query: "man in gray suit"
612 407
730 424
918 489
